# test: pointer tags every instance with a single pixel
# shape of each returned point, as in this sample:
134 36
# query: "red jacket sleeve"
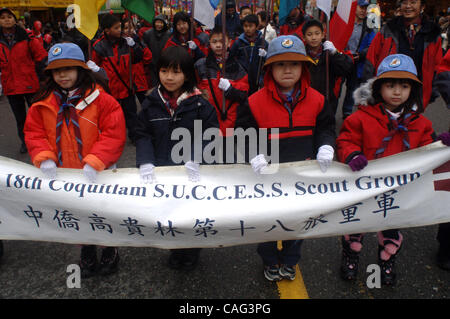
349 141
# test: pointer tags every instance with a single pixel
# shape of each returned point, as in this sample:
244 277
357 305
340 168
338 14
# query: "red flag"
342 23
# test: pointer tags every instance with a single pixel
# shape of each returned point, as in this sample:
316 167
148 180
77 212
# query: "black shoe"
23 149
109 263
175 259
88 261
349 265
443 259
388 275
190 259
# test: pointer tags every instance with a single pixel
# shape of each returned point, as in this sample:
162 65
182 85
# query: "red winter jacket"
139 71
199 52
18 63
302 130
364 130
207 68
115 56
392 39
442 81
102 127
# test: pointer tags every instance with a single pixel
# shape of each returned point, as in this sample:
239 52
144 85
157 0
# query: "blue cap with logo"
286 48
363 3
63 55
397 66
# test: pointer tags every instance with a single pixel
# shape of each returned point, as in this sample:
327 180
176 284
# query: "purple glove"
358 162
445 138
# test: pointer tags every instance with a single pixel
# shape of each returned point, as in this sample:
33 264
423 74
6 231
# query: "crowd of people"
251 73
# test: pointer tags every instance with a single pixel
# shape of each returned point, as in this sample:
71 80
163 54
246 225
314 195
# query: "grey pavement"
38 269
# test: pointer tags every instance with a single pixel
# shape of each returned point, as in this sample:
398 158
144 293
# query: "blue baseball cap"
397 66
363 3
286 48
65 55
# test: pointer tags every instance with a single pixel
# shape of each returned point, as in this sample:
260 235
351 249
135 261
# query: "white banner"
231 205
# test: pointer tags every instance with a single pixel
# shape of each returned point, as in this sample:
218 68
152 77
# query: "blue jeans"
289 255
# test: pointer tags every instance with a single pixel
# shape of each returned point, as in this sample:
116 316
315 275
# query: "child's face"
172 79
127 29
395 94
314 36
65 77
115 31
7 20
245 13
182 27
249 29
215 43
286 74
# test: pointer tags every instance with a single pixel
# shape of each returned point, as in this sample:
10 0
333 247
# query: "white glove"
91 65
325 157
130 41
48 167
224 84
328 45
262 52
90 173
192 45
193 170
259 163
146 172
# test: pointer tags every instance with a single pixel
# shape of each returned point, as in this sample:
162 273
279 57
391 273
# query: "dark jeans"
129 109
18 107
289 255
351 82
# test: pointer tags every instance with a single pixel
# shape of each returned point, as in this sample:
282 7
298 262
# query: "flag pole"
224 50
264 39
192 20
327 63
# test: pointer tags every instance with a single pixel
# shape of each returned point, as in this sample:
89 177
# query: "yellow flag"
86 16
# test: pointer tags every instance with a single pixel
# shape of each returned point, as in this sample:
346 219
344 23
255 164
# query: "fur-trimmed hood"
363 95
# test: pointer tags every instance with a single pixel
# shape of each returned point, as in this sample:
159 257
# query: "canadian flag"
342 23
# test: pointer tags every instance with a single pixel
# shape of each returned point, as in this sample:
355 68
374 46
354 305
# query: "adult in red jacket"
20 56
414 35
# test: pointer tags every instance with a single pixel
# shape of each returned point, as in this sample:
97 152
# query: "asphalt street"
38 269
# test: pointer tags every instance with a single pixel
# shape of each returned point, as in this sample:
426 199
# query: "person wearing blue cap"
412 34
388 121
306 123
74 123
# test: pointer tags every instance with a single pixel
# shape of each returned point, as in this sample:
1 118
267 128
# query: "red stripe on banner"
444 168
443 185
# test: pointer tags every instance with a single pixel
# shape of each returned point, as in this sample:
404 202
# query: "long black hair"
178 57
86 82
181 16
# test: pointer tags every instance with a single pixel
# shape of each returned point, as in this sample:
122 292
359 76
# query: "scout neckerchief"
411 30
396 125
68 114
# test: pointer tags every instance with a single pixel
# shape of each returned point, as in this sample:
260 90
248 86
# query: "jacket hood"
161 18
363 95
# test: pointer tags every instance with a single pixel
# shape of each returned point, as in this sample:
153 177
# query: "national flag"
342 23
286 7
86 16
204 11
325 6
143 8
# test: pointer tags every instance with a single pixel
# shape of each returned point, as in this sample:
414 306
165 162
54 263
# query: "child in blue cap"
306 123
74 123
387 122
